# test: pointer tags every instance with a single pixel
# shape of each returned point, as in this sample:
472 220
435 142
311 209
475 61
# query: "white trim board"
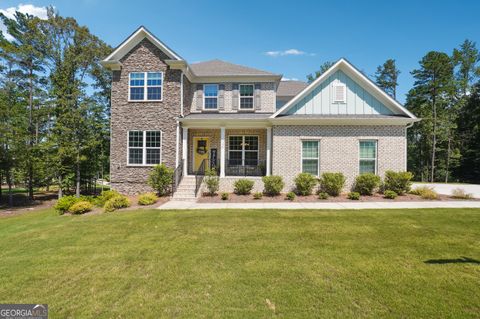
361 79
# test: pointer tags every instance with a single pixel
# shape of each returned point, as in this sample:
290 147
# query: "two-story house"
244 121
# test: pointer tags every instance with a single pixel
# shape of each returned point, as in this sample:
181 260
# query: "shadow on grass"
462 260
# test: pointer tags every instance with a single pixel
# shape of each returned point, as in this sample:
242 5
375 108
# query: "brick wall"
339 149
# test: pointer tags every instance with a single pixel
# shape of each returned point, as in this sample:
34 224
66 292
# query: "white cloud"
288 52
40 12
289 79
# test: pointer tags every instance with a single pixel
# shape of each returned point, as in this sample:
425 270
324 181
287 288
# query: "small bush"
290 196
390 194
115 203
63 205
81 207
258 195
399 182
243 186
212 181
147 199
322 195
304 183
224 196
425 192
104 197
161 179
460 193
272 185
366 183
332 183
353 196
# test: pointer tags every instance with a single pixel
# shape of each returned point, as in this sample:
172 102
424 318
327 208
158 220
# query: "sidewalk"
342 205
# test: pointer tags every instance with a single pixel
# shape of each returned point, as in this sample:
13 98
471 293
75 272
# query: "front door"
201 149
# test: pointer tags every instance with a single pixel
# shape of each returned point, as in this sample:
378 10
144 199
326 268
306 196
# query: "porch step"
186 190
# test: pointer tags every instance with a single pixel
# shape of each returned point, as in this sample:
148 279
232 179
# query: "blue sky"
300 35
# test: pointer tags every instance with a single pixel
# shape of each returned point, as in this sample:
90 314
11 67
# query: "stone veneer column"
185 151
222 151
269 152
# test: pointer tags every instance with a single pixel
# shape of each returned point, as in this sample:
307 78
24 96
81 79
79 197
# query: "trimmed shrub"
332 183
258 195
243 186
147 199
115 203
304 183
224 196
81 207
425 192
212 181
290 196
366 183
322 195
161 179
63 205
390 194
460 193
272 185
399 182
104 197
353 196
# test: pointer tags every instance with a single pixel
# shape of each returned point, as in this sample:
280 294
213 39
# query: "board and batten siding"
358 100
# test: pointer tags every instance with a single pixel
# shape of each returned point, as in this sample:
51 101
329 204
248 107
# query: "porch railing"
199 175
177 177
252 167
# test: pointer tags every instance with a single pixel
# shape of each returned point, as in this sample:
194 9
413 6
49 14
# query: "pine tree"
386 77
323 68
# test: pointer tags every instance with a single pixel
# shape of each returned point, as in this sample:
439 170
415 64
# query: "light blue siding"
319 101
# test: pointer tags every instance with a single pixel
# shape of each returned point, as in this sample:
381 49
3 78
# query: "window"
210 96
339 93
310 157
246 96
243 150
368 157
145 90
144 147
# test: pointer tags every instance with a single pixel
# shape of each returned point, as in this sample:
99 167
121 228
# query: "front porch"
233 152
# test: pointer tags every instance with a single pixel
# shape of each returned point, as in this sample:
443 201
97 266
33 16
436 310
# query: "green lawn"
218 264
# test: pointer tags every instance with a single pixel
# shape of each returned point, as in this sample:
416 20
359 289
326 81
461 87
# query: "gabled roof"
361 79
221 68
290 88
134 39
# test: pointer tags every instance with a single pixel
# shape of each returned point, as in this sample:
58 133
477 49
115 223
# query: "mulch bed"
234 198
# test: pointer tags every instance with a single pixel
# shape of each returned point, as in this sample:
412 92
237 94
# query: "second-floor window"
145 86
210 93
246 96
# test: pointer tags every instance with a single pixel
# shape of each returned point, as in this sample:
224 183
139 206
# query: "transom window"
368 156
246 96
310 157
144 147
210 96
243 150
145 86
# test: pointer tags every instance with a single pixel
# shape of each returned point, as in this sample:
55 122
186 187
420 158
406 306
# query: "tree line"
54 105
445 145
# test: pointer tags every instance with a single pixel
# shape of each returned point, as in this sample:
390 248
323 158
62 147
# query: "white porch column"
269 151
222 151
185 151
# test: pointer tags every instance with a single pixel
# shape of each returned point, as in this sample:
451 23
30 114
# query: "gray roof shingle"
228 116
290 88
222 68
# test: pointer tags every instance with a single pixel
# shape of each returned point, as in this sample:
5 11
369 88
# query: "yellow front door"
201 150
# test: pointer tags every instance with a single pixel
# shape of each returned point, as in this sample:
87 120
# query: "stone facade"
339 149
127 116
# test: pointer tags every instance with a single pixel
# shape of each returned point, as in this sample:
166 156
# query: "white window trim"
204 97
376 154
240 97
144 148
145 87
243 147
334 94
318 158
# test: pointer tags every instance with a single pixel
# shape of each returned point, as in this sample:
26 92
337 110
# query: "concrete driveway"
446 189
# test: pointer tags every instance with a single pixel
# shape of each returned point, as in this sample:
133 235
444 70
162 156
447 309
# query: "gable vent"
339 93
